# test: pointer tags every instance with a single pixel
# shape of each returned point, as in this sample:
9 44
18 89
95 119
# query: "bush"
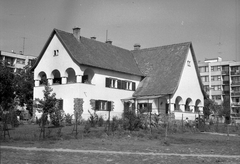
100 121
68 119
87 128
57 117
93 119
131 121
115 123
10 118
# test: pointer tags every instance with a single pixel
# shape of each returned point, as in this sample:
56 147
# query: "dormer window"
55 53
189 63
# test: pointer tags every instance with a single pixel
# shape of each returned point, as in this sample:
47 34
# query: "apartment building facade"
16 61
221 80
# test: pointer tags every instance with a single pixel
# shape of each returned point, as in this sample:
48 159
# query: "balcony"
235 93
235 103
235 83
226 82
226 92
237 73
225 72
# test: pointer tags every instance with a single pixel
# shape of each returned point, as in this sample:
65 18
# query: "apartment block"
16 61
221 80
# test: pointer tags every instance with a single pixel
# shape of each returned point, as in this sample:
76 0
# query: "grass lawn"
139 141
97 139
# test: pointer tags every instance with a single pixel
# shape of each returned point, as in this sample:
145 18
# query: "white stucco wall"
96 90
189 87
49 62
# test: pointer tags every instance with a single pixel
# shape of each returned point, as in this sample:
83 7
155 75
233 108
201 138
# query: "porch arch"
187 104
70 75
197 104
178 101
88 76
56 76
42 77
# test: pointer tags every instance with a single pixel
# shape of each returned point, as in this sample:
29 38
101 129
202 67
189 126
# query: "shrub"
131 121
114 124
10 118
93 119
100 121
87 128
57 118
68 119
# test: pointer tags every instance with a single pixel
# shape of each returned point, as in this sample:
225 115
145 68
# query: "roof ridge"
93 40
153 48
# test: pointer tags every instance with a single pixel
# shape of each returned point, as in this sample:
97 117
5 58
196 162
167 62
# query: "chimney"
76 33
93 38
137 46
108 42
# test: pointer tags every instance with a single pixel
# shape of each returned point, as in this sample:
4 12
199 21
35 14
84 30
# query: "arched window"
71 78
43 78
56 77
87 76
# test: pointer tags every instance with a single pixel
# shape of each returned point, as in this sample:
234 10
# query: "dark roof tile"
98 54
163 67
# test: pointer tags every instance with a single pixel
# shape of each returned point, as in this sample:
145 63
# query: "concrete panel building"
221 80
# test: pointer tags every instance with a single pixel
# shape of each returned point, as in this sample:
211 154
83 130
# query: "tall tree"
226 107
24 83
7 92
48 105
210 107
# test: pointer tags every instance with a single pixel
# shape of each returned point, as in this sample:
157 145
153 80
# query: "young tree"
48 105
226 107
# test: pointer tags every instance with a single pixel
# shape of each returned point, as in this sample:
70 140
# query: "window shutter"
133 86
60 104
108 82
109 106
97 105
119 84
149 107
123 84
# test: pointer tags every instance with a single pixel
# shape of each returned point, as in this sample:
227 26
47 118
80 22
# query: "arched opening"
87 76
43 78
187 104
71 78
56 77
196 107
177 103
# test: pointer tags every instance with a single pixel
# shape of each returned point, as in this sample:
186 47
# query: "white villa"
109 78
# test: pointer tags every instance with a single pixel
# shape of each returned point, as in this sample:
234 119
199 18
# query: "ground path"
119 152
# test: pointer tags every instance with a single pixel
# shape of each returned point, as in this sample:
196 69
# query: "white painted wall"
189 87
49 62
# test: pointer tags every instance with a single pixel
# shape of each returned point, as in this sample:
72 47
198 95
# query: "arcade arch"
71 75
88 76
56 77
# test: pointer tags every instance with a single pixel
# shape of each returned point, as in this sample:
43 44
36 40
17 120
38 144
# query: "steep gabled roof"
163 67
96 54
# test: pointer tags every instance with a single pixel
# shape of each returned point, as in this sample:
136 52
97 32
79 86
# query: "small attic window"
189 63
55 53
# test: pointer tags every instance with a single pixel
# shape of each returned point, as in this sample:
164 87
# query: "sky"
213 26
